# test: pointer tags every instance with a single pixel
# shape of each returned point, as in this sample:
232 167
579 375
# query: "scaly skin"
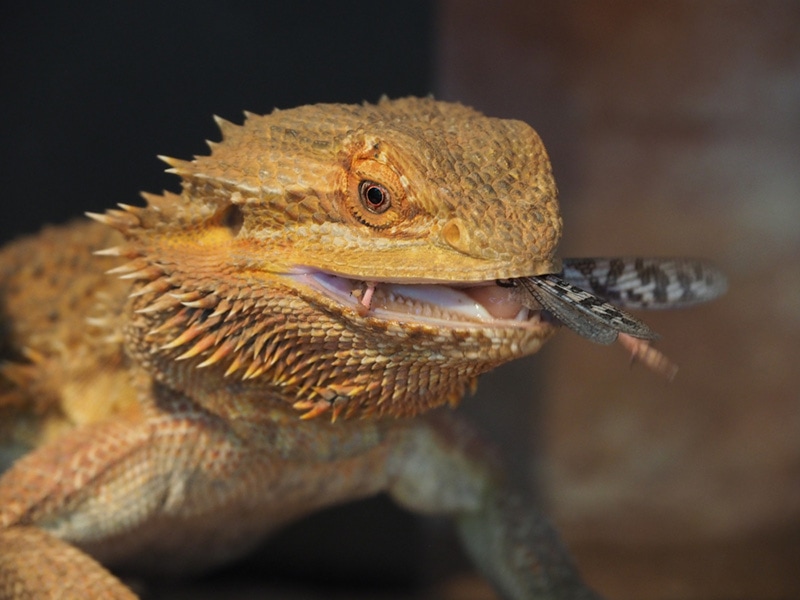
252 362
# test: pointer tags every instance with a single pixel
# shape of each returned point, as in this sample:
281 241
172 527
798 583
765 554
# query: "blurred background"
674 129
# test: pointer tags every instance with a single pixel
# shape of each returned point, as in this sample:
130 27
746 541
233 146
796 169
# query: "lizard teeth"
443 303
427 301
523 315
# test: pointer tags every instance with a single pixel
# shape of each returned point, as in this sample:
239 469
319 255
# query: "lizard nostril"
452 234
456 235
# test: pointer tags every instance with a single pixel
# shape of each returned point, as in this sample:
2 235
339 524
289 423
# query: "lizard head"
345 256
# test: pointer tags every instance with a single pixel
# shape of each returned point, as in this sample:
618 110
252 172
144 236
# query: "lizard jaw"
449 304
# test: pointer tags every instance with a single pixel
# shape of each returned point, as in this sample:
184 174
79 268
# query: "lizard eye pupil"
374 196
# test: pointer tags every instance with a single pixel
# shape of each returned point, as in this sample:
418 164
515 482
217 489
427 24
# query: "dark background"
673 128
92 91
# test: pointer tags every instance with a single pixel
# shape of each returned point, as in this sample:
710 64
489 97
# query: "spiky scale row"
118 219
217 329
334 398
207 309
243 341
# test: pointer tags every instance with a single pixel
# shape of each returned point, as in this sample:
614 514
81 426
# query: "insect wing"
568 313
583 312
649 283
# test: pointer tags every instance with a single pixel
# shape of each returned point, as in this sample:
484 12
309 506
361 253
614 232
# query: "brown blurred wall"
674 129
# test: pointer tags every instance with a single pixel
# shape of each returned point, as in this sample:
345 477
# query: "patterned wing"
581 297
583 312
648 283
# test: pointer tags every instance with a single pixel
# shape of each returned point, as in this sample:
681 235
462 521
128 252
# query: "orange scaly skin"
267 344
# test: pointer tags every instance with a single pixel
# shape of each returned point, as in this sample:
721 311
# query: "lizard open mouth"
484 303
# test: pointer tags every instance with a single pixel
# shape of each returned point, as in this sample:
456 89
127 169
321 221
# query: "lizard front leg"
48 492
34 565
175 489
118 489
443 467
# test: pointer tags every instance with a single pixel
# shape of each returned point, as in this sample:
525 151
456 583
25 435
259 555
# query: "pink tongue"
498 301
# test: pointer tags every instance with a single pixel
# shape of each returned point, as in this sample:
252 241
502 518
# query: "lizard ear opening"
232 219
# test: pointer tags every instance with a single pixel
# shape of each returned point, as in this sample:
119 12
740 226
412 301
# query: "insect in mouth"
587 296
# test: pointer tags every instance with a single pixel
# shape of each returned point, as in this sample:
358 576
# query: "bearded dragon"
274 339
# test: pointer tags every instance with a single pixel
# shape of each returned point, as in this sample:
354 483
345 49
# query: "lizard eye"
374 197
377 205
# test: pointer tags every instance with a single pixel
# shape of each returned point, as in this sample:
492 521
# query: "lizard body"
270 341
